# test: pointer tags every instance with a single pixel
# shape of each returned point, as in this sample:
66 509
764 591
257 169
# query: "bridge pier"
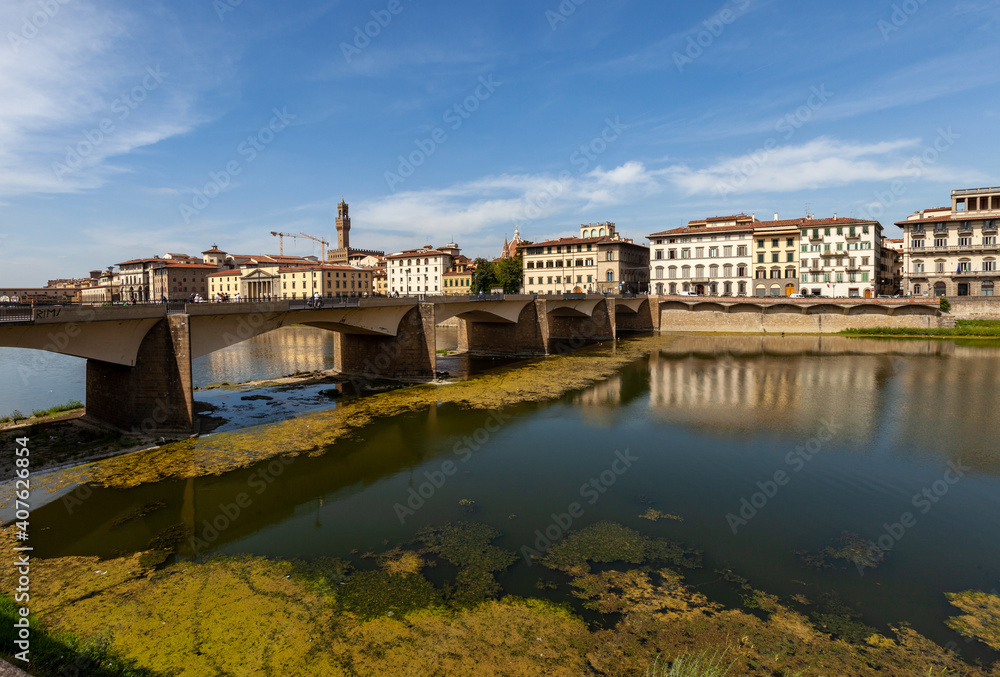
638 316
155 395
410 354
578 328
525 338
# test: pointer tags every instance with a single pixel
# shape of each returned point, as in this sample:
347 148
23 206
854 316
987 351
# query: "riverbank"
980 329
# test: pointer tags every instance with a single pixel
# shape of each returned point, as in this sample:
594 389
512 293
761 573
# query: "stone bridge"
139 357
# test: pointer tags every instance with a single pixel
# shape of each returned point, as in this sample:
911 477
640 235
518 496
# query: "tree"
484 277
509 274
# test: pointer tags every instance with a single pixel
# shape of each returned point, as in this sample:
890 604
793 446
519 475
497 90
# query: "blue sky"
132 129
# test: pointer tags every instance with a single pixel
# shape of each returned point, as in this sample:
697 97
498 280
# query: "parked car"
687 293
796 296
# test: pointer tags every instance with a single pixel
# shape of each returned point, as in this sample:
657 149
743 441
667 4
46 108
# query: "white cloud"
821 163
82 84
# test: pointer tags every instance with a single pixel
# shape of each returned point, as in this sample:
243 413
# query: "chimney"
835 216
776 216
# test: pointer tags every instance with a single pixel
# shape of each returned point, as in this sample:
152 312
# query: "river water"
767 447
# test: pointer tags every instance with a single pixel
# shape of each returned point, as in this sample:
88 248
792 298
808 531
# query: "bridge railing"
15 312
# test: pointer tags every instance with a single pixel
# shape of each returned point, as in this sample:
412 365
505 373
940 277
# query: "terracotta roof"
960 217
802 222
413 253
224 273
568 240
684 230
735 217
183 264
322 266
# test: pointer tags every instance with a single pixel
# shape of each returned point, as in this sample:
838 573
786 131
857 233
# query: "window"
760 258
741 270
939 267
699 252
987 289
805 248
790 242
727 251
989 239
918 267
916 289
741 250
658 254
611 276
775 257
918 244
611 256
965 242
713 252
685 253
659 272
760 244
989 265
774 242
941 242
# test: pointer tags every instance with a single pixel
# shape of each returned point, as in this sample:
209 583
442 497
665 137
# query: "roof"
183 264
798 223
224 273
322 266
965 216
568 240
417 252
735 217
213 250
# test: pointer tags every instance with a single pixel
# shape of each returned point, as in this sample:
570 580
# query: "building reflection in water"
930 398
285 351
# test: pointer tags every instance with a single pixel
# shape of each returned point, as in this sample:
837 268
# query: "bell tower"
343 226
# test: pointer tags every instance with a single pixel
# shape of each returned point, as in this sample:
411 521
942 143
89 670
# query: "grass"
16 415
60 653
705 663
962 328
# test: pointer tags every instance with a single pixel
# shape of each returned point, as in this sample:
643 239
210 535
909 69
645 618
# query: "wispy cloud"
821 163
91 83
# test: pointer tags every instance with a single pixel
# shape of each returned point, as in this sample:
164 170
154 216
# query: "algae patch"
606 542
981 619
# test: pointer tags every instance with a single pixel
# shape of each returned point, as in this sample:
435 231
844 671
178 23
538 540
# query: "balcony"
965 227
990 226
839 252
853 236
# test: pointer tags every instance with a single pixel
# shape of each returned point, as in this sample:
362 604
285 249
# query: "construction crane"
281 242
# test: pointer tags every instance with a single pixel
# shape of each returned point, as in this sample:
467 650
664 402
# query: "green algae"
606 542
466 545
849 548
981 619
654 515
370 594
317 432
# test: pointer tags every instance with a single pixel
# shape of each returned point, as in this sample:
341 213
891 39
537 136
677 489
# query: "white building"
418 272
839 257
953 251
710 256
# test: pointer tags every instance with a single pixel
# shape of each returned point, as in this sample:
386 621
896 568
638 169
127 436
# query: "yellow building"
329 281
776 258
457 282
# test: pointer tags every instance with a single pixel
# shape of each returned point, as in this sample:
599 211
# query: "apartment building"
599 261
839 257
418 272
177 279
952 251
776 258
711 256
891 267
329 281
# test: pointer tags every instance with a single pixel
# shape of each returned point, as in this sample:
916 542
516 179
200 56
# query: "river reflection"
708 418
